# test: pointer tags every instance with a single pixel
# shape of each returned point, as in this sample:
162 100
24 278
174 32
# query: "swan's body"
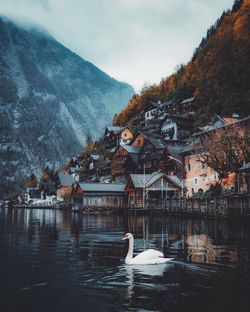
149 256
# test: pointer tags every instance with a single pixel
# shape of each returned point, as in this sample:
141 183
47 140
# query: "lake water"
63 261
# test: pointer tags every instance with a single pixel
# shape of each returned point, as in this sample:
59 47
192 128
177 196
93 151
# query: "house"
141 188
65 187
139 139
198 177
103 195
116 135
157 110
218 122
32 194
151 154
125 161
150 113
187 106
176 127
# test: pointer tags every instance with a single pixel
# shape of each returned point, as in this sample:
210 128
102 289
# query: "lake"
53 260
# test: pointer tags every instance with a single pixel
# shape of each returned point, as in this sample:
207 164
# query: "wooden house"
176 127
187 106
116 135
125 161
141 188
218 122
151 154
103 195
139 139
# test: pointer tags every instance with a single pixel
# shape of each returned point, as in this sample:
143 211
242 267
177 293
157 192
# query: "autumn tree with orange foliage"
218 73
225 149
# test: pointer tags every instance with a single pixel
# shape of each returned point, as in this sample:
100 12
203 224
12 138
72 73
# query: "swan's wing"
148 254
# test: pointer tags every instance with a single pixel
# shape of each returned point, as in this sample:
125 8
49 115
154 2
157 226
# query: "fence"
224 206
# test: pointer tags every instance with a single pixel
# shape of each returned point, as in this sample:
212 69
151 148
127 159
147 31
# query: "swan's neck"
130 250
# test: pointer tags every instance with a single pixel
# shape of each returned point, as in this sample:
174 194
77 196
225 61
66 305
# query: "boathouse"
103 195
141 188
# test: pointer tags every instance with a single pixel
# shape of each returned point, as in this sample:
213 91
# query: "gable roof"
95 156
237 122
246 167
116 129
132 149
175 180
145 180
102 187
188 100
156 142
65 179
140 180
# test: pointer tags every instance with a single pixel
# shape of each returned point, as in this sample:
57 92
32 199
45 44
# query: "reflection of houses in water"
201 249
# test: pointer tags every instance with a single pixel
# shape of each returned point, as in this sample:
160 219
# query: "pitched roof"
145 180
175 180
156 142
102 187
176 150
74 169
154 178
95 157
188 100
65 179
115 129
230 120
237 122
132 149
140 180
245 167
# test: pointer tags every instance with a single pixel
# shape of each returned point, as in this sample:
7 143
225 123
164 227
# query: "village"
159 163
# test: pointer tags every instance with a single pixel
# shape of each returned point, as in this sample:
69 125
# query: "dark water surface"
63 261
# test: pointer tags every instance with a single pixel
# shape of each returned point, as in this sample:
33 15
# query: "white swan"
149 256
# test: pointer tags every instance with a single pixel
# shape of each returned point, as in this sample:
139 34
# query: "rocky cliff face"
50 100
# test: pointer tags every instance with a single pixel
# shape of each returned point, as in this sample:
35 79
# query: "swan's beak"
124 238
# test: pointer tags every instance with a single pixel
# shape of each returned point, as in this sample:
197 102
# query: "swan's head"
128 236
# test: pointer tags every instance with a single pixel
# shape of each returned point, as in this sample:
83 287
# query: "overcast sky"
136 41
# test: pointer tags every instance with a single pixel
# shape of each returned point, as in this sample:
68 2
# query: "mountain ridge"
50 101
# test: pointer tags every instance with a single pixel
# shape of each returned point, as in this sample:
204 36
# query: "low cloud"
132 40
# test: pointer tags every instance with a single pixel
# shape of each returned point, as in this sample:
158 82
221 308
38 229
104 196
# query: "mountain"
218 73
50 101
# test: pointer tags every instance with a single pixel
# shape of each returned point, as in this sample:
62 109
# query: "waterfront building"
102 195
141 188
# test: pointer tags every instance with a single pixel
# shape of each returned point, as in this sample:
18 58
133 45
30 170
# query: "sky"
135 41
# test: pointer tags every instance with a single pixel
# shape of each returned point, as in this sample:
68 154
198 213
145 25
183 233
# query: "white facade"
150 114
169 129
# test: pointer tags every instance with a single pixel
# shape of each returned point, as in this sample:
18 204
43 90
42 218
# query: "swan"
149 256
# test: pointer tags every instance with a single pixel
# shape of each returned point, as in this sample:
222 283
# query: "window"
125 134
138 141
202 165
189 167
195 181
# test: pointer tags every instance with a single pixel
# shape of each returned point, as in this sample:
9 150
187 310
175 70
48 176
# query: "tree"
225 149
32 181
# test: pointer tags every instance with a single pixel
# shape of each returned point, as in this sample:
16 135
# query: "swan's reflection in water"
135 273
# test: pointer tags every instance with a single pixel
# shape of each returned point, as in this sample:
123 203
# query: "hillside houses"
162 142
199 177
116 135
